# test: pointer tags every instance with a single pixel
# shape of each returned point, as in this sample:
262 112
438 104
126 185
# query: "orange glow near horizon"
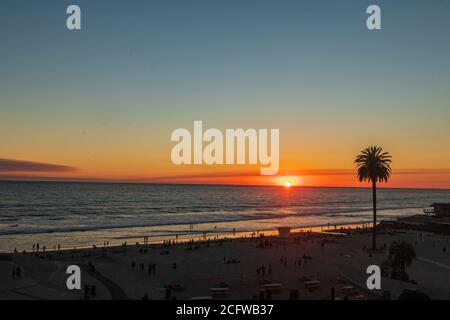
287 181
141 172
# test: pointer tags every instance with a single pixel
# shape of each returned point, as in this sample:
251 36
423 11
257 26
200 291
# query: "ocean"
81 214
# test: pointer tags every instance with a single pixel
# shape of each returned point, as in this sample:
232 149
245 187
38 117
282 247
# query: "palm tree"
373 165
402 254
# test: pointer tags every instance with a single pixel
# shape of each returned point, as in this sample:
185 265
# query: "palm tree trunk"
374 231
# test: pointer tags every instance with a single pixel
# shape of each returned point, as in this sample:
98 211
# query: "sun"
287 181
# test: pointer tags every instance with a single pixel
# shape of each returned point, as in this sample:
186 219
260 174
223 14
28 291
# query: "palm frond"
374 165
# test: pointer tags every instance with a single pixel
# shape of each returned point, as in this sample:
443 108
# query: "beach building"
438 209
284 231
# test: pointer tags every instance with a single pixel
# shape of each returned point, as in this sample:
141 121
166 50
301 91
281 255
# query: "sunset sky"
100 104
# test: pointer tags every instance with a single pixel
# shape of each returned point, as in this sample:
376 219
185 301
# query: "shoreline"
211 235
158 234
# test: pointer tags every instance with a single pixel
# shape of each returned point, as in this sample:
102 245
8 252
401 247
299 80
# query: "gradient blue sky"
105 99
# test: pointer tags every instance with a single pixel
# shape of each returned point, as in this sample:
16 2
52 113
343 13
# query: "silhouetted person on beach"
18 272
261 295
86 291
93 290
168 294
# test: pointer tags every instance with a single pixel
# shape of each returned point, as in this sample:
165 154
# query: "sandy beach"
224 150
228 269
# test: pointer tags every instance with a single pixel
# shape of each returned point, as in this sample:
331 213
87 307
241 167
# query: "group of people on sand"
189 242
261 270
151 267
16 272
264 244
231 260
36 247
297 262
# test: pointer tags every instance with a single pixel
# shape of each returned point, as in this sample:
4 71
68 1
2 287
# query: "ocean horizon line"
130 182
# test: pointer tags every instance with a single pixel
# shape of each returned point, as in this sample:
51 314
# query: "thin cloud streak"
10 165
